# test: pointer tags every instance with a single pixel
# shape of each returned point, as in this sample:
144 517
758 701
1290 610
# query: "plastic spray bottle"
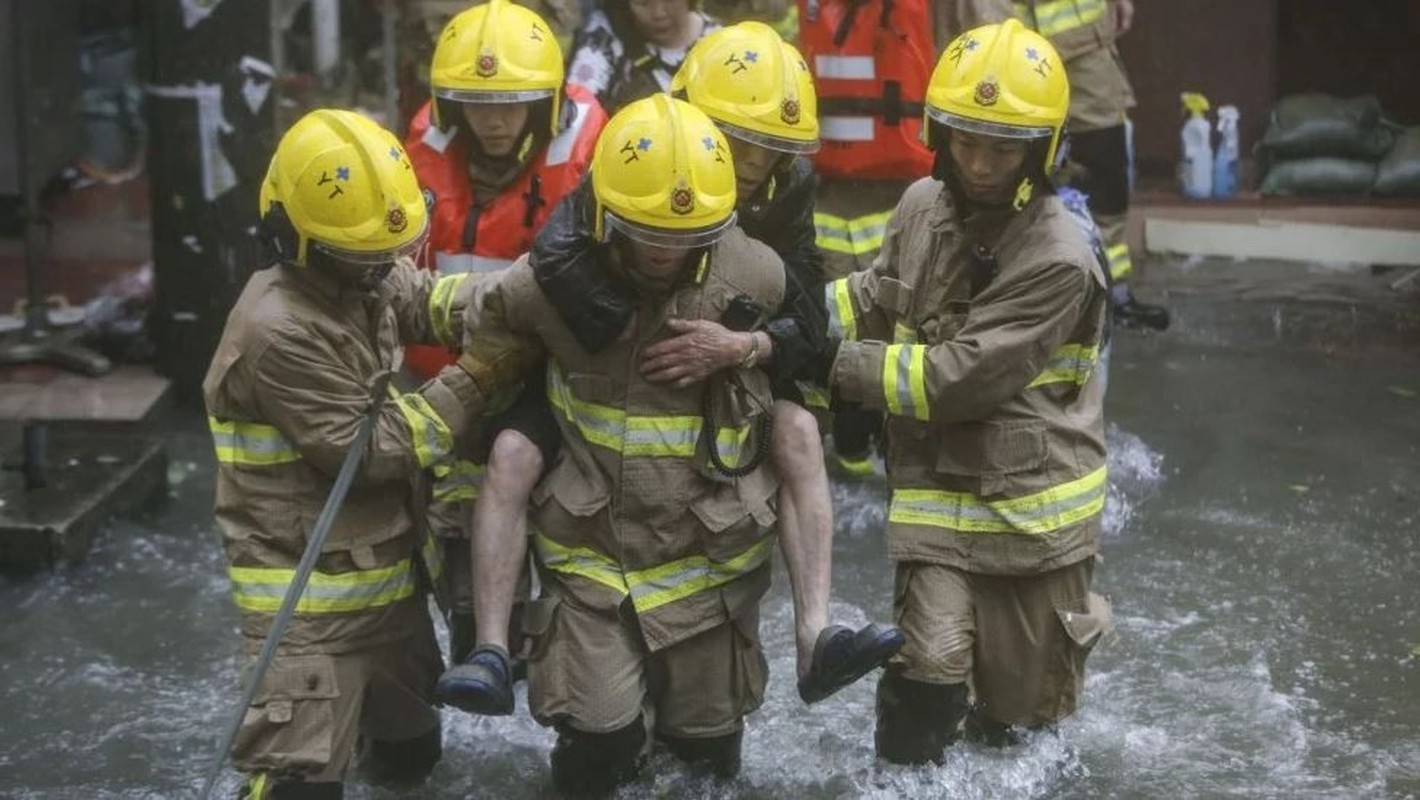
1225 161
1195 171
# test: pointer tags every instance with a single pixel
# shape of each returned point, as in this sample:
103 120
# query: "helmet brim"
1000 129
665 237
776 143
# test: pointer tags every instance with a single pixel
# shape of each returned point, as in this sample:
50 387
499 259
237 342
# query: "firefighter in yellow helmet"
1084 33
495 150
756 89
291 380
977 332
653 530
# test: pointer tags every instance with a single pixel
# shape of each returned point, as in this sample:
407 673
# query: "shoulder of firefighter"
990 387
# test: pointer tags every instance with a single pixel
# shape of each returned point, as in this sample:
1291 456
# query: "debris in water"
1299 488
1404 392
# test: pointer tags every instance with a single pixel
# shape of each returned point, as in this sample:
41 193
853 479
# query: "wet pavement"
1261 552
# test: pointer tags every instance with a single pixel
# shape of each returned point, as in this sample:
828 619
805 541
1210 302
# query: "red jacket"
871 61
463 238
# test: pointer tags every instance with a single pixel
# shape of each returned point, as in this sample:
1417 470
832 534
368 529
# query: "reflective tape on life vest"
1072 363
842 320
844 68
261 589
250 444
457 482
668 436
654 587
855 237
1043 512
464 263
1058 16
441 308
836 128
1120 264
431 435
905 380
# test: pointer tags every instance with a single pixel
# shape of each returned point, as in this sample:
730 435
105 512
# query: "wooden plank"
1288 241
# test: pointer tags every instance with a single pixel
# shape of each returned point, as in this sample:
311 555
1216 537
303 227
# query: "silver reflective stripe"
560 149
459 263
436 139
844 68
846 129
903 383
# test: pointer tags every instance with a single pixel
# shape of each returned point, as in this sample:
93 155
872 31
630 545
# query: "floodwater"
1260 551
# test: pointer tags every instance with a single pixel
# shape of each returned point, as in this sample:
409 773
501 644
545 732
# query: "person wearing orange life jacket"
499 145
870 60
1084 32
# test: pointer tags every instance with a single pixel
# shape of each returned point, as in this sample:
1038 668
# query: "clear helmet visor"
776 143
670 238
985 128
375 258
481 96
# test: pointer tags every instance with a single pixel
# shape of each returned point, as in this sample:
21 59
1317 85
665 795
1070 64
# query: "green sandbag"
1319 176
1398 174
1309 125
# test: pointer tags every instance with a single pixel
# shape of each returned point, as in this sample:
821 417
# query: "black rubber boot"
592 764
402 763
717 755
1129 312
843 655
291 790
917 721
481 685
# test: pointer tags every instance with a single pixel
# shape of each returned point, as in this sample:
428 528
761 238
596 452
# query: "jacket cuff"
454 397
858 373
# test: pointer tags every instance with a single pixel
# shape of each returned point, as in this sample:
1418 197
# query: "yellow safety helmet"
342 184
662 174
1001 80
497 53
755 85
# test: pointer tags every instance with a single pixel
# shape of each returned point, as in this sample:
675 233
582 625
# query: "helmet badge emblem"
987 92
682 199
396 221
789 111
487 65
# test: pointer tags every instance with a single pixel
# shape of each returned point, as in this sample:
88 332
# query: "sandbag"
1319 176
1310 125
1398 174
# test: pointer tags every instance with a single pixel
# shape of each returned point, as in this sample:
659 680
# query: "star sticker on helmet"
643 144
971 44
394 152
1032 53
708 142
342 173
751 56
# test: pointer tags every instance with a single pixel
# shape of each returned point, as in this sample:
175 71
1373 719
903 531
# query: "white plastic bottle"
1225 161
1195 171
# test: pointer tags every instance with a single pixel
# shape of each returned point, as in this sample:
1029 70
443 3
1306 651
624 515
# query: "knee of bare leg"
796 443
515 461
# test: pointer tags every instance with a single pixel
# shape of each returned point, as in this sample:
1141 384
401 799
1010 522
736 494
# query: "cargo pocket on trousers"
1086 628
290 725
751 667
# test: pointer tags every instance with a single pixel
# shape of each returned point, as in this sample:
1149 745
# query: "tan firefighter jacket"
286 393
633 507
1083 32
996 456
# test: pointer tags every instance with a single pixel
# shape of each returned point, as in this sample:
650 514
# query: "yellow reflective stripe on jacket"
261 589
441 308
855 236
814 396
1058 16
670 436
457 482
905 380
1043 512
258 788
1120 264
580 561
659 586
1072 363
842 320
432 438
903 334
250 443
432 555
